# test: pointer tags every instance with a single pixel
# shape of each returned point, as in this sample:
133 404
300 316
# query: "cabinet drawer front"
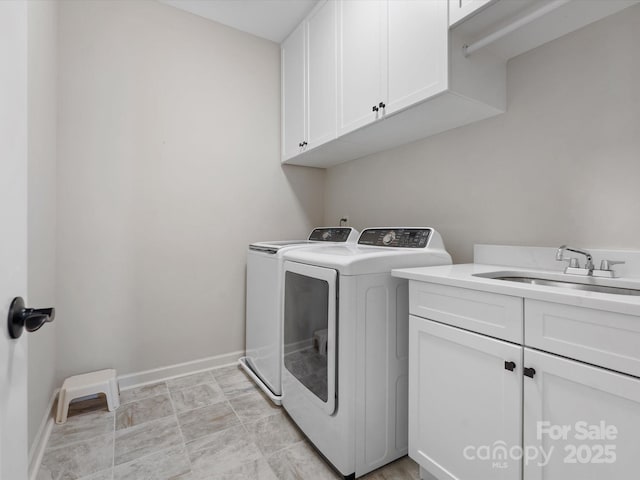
594 336
498 316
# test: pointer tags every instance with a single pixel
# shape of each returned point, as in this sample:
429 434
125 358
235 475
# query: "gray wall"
41 213
168 166
561 166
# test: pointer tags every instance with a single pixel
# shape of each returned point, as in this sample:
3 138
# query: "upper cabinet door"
293 93
322 76
418 35
459 9
362 62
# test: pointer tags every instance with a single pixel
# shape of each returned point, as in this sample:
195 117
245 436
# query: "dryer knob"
389 238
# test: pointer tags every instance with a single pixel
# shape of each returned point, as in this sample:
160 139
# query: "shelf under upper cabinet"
561 17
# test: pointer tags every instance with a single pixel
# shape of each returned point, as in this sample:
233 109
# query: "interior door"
13 227
310 331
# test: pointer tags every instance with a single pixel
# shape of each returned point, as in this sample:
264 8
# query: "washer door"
310 330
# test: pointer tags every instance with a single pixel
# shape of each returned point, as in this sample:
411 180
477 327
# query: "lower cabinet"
465 399
580 422
487 409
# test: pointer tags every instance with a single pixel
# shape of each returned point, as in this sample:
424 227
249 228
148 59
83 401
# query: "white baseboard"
36 452
146 377
126 382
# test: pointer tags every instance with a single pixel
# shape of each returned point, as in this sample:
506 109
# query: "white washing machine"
345 363
263 360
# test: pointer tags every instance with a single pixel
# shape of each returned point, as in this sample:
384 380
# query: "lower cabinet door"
465 403
580 422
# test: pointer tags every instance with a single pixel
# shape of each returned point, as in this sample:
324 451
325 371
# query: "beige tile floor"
211 425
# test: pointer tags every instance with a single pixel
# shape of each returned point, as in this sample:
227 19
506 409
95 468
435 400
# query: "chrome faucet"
574 266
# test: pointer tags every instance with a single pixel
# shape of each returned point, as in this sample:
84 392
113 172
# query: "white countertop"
463 276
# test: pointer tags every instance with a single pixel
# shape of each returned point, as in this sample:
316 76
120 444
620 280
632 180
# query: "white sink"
590 284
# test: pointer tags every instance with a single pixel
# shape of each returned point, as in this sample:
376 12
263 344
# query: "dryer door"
310 308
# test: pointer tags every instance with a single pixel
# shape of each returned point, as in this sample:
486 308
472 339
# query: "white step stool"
320 341
102 381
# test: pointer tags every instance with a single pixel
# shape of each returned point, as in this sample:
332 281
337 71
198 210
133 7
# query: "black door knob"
375 109
31 319
381 105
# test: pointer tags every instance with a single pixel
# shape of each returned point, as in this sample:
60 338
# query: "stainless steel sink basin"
586 284
571 286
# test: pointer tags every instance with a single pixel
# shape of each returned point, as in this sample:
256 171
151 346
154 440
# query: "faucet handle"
573 262
607 264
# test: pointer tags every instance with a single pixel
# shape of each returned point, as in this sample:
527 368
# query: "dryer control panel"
396 237
337 234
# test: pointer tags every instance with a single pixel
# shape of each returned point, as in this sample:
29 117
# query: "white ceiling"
270 19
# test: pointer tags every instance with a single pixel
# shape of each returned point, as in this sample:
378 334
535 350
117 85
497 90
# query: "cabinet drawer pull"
511 366
530 372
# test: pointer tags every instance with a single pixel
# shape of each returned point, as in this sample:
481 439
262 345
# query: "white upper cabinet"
460 9
367 63
309 82
362 76
417 52
322 75
293 93
362 62
393 54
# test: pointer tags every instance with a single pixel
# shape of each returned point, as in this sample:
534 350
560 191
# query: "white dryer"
263 334
345 320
